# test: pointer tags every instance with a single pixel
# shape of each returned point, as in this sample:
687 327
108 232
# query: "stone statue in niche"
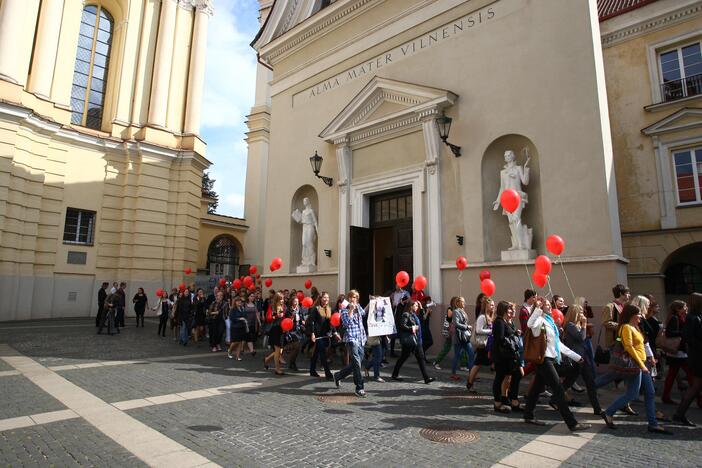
512 176
308 220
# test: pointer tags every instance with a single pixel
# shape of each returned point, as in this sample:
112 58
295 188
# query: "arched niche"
223 256
306 191
496 235
682 271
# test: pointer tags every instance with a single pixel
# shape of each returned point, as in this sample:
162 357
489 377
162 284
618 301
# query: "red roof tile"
607 9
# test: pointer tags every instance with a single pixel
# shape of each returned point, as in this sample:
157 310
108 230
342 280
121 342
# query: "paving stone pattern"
63 444
20 397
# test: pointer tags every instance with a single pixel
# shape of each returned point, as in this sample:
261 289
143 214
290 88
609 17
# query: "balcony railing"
679 89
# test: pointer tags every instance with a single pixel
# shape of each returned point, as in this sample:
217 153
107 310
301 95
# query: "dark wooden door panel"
361 274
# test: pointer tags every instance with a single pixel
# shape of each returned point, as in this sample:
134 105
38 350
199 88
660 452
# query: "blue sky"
230 84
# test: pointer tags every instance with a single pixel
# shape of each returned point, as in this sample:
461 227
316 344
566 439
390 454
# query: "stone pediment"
386 106
684 119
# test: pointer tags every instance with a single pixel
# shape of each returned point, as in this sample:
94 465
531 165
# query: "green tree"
208 191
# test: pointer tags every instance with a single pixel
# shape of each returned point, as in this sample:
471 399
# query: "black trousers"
119 317
216 328
502 370
98 317
418 354
587 372
546 375
140 316
320 353
109 320
162 323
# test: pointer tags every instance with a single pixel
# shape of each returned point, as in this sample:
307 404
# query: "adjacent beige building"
101 158
579 85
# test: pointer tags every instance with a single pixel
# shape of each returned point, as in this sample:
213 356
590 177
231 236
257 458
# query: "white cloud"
229 94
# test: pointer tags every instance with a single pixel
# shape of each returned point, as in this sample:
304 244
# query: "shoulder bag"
668 345
621 362
535 346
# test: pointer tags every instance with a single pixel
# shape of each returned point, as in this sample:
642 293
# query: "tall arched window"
90 71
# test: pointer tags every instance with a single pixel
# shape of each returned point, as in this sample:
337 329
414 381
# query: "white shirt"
536 321
397 296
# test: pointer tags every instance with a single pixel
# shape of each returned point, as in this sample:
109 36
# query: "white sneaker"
229 355
464 369
436 366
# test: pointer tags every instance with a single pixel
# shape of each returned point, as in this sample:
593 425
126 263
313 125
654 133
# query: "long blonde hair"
642 303
278 302
573 313
484 308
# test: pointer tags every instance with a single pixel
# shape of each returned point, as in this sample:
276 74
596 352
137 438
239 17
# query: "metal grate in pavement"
449 435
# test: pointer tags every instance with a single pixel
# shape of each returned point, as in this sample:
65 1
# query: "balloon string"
526 268
550 292
566 278
460 281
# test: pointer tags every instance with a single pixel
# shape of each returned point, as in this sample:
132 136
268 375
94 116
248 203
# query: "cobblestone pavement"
233 413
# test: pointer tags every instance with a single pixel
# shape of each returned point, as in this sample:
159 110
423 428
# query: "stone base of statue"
518 255
306 268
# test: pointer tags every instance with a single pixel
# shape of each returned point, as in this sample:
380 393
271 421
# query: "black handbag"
408 341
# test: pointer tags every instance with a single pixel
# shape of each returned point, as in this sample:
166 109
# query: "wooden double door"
378 252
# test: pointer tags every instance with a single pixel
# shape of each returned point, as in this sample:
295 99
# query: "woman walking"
481 334
141 302
239 329
164 308
676 360
275 335
693 337
462 332
219 309
506 356
575 337
446 329
319 325
251 308
200 305
410 333
540 322
633 342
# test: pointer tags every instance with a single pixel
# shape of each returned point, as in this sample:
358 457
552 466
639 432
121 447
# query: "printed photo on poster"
381 321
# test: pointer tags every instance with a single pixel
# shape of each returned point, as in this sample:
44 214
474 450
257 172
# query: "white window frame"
91 227
695 175
654 65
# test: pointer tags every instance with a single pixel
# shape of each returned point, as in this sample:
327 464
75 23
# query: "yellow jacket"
633 343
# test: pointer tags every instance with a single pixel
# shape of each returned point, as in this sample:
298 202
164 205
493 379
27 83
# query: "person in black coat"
319 326
183 308
102 295
692 332
506 357
140 302
575 337
410 334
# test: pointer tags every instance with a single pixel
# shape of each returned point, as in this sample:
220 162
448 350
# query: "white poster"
381 321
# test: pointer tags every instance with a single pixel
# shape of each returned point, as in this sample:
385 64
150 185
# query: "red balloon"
402 279
276 263
555 244
484 274
159 292
308 284
487 286
557 316
543 264
181 287
461 263
420 283
286 324
307 302
188 270
539 279
335 319
236 284
253 270
252 287
510 200
258 275
271 267
248 281
269 282
300 296
222 282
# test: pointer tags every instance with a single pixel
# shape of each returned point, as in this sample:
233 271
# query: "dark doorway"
383 249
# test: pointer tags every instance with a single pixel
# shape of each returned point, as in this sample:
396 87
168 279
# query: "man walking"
102 295
355 338
122 304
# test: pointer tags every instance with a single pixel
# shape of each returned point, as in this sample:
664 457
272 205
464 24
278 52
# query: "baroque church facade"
600 97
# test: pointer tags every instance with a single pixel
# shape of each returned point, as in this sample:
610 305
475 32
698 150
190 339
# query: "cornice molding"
43 126
650 25
672 123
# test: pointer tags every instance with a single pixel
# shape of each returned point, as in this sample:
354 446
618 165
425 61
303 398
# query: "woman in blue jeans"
461 341
376 345
633 342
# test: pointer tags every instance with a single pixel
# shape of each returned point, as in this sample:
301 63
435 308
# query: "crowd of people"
546 338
